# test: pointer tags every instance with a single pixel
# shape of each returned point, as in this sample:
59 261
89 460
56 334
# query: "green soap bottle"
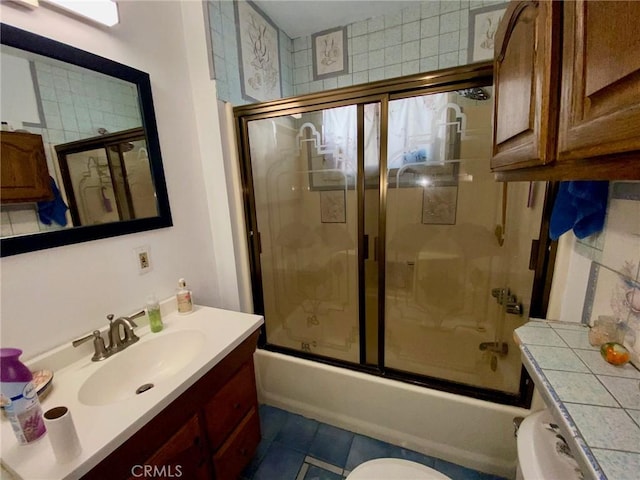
153 311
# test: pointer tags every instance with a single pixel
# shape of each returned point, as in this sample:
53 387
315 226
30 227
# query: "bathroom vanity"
596 405
199 420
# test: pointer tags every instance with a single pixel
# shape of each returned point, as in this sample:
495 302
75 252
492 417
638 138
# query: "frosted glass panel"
443 254
304 171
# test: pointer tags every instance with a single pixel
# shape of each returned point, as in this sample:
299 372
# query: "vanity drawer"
225 410
238 450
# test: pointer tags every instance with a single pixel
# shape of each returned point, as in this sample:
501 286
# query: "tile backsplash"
613 285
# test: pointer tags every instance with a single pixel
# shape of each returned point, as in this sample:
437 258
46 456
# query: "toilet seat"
394 469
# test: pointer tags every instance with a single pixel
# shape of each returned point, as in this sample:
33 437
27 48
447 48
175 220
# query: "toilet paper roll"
62 434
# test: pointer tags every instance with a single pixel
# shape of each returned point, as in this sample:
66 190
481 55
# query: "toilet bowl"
394 469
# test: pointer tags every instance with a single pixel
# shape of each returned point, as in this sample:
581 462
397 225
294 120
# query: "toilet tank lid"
394 468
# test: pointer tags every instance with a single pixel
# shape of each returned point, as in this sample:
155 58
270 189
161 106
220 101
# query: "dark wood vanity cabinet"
211 431
24 175
567 91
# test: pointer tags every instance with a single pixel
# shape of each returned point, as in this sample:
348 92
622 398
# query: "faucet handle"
81 340
99 350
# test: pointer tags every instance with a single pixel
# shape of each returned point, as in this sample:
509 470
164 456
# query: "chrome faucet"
120 335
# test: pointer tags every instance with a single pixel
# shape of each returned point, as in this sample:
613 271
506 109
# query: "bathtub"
473 433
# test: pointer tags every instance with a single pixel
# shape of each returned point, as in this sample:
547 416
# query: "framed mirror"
80 151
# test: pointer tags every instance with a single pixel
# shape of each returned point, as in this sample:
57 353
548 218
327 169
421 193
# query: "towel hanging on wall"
581 206
53 210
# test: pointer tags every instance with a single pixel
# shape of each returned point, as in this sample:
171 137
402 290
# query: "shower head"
475 93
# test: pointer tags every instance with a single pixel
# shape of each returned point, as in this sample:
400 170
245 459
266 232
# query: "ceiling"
299 18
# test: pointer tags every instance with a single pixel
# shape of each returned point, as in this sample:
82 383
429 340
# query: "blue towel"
53 210
581 206
415 156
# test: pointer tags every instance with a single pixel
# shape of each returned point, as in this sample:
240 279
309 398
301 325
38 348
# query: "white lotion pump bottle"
184 298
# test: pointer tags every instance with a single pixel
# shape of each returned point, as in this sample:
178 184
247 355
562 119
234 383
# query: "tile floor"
297 448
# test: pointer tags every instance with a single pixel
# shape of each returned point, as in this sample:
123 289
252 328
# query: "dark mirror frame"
30 42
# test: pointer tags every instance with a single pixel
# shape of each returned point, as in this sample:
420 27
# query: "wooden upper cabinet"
526 85
600 100
567 91
24 175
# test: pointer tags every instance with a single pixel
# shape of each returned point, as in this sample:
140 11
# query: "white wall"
52 296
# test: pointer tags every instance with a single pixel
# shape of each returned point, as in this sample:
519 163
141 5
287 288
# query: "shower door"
307 171
380 241
457 245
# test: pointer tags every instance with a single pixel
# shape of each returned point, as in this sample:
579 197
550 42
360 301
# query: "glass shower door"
304 172
449 245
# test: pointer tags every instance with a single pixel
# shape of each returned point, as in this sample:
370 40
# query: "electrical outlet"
143 259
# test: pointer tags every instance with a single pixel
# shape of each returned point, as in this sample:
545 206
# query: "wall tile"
411 14
449 42
359 44
434 24
302 58
410 51
409 68
622 241
376 74
301 89
448 60
376 41
392 36
24 220
345 80
5 224
449 6
376 59
410 32
361 62
392 71
359 28
301 43
429 63
393 55
301 75
393 19
430 27
360 78
429 47
375 24
330 83
450 22
430 9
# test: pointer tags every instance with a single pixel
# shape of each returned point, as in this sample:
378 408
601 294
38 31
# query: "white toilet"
394 469
541 455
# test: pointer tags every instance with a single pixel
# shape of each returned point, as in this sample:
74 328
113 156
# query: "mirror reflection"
108 178
96 176
80 152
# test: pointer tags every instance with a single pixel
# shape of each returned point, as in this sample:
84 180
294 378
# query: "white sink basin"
141 367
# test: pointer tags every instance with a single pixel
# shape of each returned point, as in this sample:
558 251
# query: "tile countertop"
597 405
101 429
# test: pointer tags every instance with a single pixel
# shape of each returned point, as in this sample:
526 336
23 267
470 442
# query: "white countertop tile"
597 405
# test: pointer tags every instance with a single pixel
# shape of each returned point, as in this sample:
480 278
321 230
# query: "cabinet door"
236 453
183 455
600 101
24 175
526 78
225 410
